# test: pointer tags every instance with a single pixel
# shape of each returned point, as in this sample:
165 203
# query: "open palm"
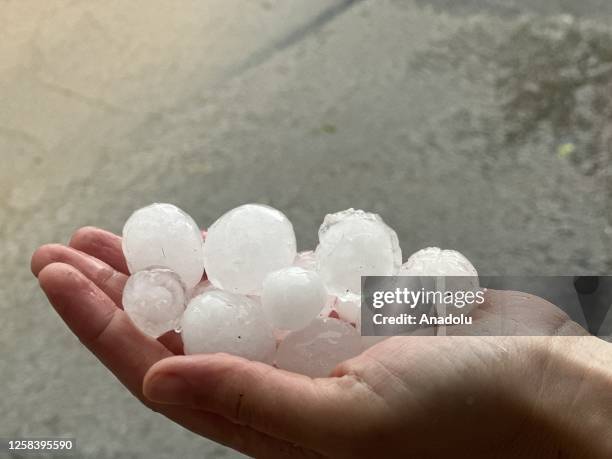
420 396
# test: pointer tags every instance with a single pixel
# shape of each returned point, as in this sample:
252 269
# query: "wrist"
570 398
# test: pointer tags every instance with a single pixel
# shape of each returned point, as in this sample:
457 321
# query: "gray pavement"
475 125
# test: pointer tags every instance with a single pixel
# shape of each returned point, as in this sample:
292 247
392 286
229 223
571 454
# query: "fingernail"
169 388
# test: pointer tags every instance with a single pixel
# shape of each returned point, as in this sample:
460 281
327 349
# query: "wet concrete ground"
476 125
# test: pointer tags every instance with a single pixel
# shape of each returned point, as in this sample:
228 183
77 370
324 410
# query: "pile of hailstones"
260 298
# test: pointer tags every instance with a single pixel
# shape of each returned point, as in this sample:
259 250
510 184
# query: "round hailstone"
434 261
154 300
306 260
349 309
218 321
245 245
164 235
354 243
315 350
292 297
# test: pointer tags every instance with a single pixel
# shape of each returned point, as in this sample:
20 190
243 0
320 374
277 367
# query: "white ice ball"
433 261
154 300
246 244
316 350
163 235
354 243
292 297
218 321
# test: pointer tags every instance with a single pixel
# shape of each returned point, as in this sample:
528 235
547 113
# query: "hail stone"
292 297
218 321
246 244
354 243
164 235
315 350
445 264
154 300
437 262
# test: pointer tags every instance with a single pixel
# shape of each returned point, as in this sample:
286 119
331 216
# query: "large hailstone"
445 264
218 321
245 245
164 235
154 300
354 243
292 297
316 350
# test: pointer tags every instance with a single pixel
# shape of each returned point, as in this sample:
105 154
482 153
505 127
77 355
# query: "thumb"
285 405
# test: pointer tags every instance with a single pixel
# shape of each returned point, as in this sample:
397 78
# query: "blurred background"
478 125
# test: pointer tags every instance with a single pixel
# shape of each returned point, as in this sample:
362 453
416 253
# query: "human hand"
415 396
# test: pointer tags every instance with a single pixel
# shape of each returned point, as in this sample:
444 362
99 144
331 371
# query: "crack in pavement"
300 33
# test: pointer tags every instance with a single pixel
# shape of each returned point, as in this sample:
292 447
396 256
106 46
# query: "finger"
105 277
241 438
108 279
108 333
285 405
106 330
100 244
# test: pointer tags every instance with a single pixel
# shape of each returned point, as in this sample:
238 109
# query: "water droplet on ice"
292 297
354 243
316 350
218 321
246 244
164 235
154 300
